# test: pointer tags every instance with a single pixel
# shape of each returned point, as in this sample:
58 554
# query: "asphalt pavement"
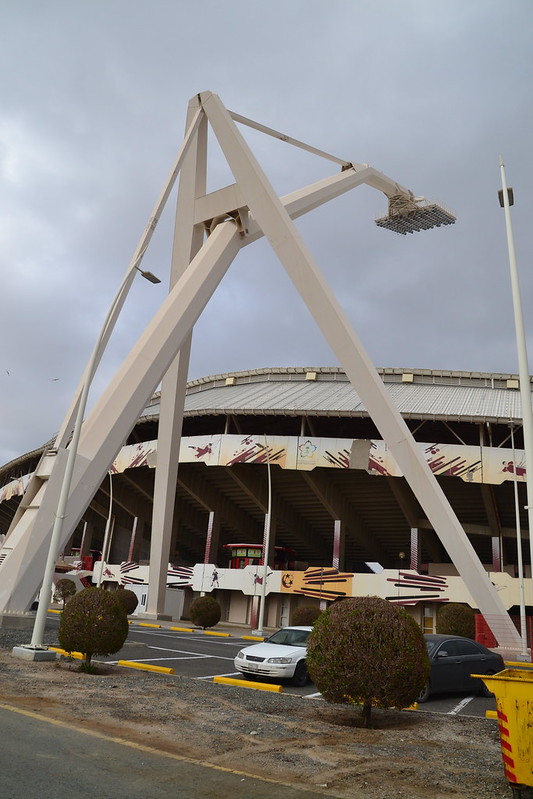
43 759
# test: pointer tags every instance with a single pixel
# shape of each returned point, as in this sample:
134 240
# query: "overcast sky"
93 100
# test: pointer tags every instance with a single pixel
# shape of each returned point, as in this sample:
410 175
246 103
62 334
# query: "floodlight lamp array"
408 214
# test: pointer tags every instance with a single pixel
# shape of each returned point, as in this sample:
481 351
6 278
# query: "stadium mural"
472 464
400 586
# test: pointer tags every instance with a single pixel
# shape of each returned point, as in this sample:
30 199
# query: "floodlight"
408 214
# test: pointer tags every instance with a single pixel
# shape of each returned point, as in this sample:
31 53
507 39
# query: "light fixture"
148 275
409 214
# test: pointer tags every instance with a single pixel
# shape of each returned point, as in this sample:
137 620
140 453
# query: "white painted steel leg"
286 241
188 240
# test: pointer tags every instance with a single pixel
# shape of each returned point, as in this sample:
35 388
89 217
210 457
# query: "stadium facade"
296 446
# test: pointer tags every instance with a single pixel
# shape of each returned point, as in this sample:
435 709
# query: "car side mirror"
442 653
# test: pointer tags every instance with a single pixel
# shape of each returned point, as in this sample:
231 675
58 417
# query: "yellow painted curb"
519 664
209 632
54 610
181 629
261 686
145 624
145 666
251 638
75 655
491 714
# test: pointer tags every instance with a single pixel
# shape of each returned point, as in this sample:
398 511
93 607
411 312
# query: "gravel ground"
304 742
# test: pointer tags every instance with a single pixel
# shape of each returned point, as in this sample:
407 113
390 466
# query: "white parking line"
185 652
460 706
190 637
312 696
210 676
178 651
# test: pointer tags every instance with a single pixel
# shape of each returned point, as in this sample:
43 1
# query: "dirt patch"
304 742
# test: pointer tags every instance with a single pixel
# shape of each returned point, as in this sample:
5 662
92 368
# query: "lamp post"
523 628
266 548
41 652
506 199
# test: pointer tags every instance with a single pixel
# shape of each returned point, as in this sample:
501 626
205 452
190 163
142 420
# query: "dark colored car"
453 659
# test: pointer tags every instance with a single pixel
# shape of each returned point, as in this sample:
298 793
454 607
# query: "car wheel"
300 674
425 693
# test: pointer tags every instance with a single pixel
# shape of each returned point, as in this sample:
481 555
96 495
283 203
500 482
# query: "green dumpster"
513 691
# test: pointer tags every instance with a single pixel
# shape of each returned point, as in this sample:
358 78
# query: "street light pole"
41 652
523 627
506 200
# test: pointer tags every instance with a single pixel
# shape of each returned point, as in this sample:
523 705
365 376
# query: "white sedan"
282 656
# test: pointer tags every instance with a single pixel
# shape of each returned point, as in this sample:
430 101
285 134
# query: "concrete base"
153 616
17 621
28 652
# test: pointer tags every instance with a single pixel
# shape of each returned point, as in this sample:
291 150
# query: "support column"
86 537
212 538
496 547
338 545
414 563
133 535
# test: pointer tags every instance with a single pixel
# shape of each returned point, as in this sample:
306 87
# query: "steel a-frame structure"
210 229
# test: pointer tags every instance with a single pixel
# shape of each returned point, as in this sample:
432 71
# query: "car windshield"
289 637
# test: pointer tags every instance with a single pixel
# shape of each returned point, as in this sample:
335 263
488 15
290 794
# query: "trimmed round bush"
128 600
305 615
205 611
94 623
367 651
456 619
64 589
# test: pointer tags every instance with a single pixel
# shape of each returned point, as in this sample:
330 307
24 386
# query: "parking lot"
204 655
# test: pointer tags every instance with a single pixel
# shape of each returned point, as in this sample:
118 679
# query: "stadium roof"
326 391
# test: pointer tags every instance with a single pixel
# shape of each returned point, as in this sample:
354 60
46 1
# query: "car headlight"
279 660
240 654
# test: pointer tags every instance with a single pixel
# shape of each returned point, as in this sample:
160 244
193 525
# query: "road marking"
460 706
312 696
